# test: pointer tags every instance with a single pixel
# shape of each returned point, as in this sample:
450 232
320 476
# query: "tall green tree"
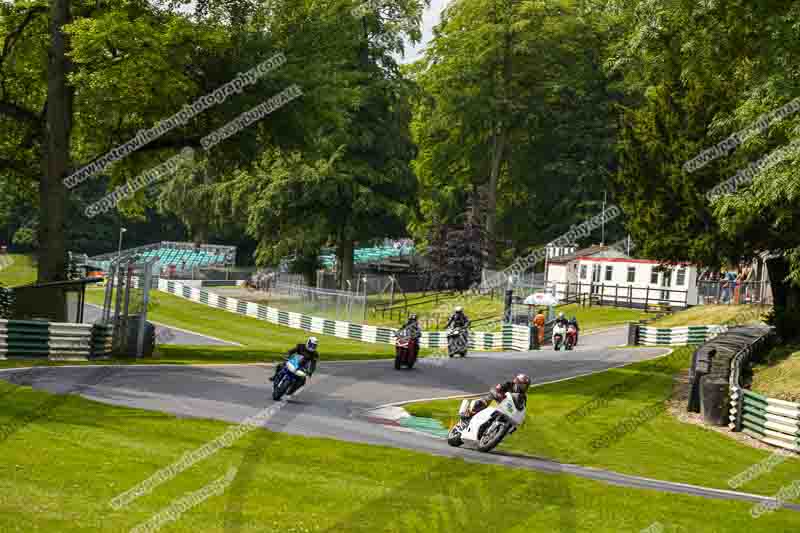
695 74
514 113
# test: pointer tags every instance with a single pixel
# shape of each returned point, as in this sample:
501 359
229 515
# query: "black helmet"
520 383
412 316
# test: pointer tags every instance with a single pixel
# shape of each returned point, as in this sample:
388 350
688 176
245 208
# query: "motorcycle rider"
517 386
562 320
574 322
458 319
309 355
414 329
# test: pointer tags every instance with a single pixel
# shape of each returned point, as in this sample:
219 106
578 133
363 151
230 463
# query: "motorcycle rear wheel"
492 436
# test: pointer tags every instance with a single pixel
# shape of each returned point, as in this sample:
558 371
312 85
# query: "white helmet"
312 343
561 315
459 309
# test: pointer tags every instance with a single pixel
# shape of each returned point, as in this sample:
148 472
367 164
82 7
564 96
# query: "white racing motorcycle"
559 333
487 429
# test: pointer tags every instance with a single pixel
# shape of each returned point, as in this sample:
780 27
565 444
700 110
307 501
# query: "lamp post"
119 249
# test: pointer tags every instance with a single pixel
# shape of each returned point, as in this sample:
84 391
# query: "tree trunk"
344 257
52 193
785 296
200 234
498 154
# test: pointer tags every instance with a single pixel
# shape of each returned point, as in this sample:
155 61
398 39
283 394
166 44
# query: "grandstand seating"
369 255
183 256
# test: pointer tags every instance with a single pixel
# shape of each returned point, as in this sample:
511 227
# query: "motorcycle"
559 332
290 378
572 337
405 349
457 342
489 427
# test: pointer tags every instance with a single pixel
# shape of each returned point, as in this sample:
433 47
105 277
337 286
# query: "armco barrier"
652 336
34 338
774 422
516 338
771 421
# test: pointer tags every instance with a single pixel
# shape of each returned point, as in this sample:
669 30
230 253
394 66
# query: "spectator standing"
539 321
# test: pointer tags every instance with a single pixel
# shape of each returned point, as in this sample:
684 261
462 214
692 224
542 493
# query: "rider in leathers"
309 354
518 387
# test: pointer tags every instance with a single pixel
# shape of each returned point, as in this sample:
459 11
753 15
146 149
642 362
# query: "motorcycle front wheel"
280 389
454 437
492 436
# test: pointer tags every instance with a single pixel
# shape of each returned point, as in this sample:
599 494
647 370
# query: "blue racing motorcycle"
290 378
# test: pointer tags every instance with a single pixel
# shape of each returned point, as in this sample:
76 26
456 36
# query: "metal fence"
733 292
325 303
126 302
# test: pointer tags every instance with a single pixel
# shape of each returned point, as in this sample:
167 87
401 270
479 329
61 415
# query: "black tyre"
454 437
397 364
411 364
280 389
492 436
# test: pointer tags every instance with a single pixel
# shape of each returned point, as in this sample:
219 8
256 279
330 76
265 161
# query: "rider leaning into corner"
308 353
517 386
458 319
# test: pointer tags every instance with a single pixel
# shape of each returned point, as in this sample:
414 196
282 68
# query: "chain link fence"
326 303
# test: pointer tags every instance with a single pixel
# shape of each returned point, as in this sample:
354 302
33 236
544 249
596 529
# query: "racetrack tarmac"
338 400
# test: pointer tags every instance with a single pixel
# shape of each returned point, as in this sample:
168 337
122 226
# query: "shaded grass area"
68 483
261 340
616 420
21 271
778 375
714 315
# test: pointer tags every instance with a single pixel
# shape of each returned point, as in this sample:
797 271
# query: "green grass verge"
714 315
778 376
21 271
262 340
656 446
61 470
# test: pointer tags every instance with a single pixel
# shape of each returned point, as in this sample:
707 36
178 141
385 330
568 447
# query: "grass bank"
778 376
616 420
714 315
261 340
21 270
58 475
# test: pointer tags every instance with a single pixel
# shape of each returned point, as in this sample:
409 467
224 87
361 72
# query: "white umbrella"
541 298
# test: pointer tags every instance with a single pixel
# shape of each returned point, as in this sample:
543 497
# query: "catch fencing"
326 303
516 338
53 340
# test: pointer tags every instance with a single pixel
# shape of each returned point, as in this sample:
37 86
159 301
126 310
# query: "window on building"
609 273
654 276
631 274
584 271
681 279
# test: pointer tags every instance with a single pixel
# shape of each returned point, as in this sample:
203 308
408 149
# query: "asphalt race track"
339 399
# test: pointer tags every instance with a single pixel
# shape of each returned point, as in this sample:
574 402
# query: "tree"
675 58
347 179
514 109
